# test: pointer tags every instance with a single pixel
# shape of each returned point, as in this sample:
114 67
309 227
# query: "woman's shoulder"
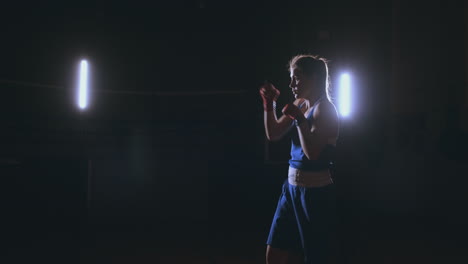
325 108
328 120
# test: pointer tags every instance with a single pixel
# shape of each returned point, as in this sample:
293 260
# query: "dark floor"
370 238
232 224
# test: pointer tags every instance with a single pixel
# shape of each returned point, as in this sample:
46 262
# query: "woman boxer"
303 219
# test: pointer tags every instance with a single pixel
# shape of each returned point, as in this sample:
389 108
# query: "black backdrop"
173 139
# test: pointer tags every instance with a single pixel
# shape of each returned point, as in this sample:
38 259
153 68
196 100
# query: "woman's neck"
313 99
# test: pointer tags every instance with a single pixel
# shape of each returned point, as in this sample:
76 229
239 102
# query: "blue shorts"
304 221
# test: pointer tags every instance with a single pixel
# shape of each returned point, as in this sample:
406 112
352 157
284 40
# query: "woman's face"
301 85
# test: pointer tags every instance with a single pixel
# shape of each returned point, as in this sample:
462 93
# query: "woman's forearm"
271 125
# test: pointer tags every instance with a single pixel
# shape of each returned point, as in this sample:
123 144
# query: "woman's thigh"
282 256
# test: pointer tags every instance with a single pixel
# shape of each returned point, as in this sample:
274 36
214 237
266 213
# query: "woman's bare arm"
325 127
276 128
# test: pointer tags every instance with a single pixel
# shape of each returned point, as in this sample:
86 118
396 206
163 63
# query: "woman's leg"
283 233
281 256
295 258
315 213
276 255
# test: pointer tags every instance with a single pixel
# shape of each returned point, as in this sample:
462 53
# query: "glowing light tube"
345 95
83 85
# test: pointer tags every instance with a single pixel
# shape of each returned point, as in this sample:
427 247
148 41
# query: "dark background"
170 164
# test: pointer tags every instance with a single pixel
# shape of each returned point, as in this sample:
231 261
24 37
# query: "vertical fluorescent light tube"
345 95
83 86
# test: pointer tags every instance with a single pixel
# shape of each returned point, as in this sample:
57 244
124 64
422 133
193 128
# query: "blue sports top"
300 161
